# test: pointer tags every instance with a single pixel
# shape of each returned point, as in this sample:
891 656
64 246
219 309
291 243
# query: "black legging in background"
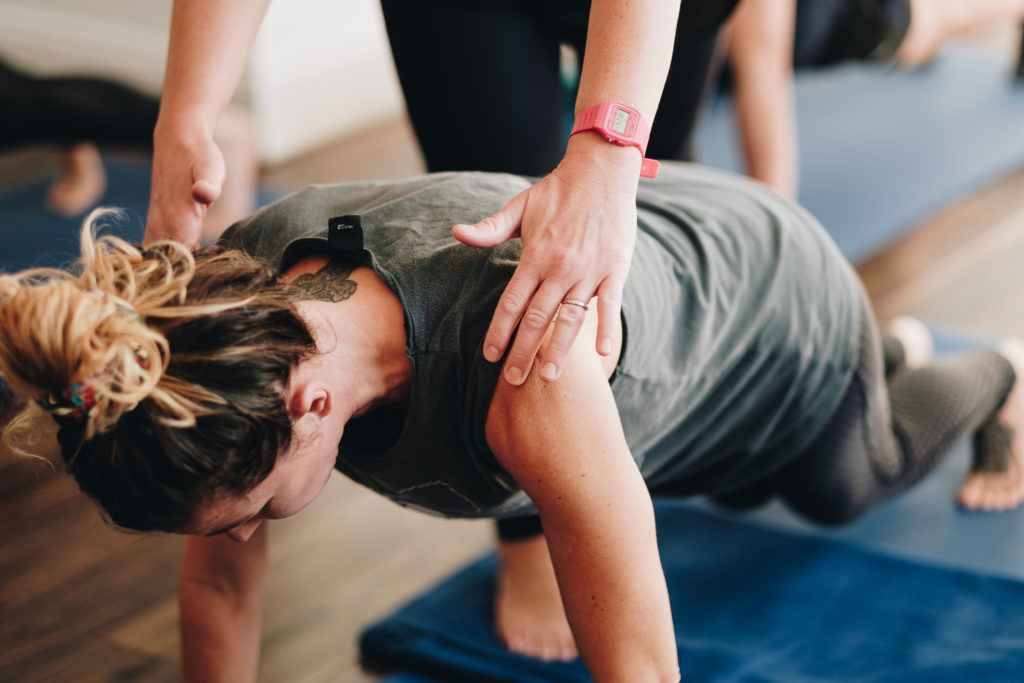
68 110
482 83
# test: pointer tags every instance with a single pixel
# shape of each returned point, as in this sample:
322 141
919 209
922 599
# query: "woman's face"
297 479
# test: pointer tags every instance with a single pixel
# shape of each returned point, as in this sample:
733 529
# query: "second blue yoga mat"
882 148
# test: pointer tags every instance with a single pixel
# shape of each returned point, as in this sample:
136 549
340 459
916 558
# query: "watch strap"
632 131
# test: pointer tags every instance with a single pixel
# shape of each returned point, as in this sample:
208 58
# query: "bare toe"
969 495
997 480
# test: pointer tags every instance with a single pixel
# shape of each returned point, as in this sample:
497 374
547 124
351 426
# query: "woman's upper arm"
563 442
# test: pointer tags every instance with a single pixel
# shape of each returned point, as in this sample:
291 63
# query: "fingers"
208 178
537 310
186 224
495 229
568 324
569 312
513 302
205 192
609 309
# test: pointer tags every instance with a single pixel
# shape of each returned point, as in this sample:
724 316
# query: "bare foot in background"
81 181
529 613
996 481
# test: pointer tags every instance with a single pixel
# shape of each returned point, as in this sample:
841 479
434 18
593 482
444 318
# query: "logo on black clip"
345 235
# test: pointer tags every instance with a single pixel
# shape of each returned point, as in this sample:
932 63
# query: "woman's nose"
242 532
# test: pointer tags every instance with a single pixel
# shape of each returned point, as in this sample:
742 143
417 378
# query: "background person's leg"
71 110
689 76
481 83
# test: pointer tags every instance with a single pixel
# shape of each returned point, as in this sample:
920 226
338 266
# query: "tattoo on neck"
330 283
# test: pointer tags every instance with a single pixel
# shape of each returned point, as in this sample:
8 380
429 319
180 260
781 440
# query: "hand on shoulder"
578 226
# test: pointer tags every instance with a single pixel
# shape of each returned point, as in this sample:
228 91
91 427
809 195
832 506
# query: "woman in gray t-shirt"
205 394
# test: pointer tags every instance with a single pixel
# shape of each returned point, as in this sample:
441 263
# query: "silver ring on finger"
575 302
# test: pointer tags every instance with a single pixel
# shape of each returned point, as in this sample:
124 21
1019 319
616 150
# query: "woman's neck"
359 327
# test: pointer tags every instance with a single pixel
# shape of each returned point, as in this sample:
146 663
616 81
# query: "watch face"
620 122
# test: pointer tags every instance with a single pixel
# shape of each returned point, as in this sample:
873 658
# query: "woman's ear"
307 395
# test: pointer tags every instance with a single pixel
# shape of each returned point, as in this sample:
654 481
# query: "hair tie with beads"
79 401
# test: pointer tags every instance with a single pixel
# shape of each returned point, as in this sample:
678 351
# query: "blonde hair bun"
76 343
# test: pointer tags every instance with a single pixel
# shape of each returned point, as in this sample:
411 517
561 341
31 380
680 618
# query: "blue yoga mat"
751 603
916 590
883 148
32 237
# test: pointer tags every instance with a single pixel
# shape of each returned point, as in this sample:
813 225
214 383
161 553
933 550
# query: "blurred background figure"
80 114
768 39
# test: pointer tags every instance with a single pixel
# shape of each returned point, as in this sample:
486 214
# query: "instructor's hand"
578 226
188 174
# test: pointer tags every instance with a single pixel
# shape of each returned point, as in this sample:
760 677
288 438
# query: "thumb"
495 229
207 181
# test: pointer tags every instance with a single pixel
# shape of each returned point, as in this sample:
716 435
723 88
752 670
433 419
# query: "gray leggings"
885 436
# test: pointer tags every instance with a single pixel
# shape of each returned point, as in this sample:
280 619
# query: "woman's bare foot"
80 183
997 480
528 609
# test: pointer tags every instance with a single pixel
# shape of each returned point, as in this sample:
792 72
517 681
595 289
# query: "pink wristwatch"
621 124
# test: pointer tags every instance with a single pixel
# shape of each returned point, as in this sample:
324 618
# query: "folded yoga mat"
882 148
916 590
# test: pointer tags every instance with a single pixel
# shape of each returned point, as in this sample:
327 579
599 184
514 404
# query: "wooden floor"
80 601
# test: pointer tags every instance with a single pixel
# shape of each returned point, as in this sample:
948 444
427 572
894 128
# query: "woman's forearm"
220 593
209 45
629 48
613 587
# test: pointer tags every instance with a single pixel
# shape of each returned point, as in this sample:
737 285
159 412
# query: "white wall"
121 39
320 69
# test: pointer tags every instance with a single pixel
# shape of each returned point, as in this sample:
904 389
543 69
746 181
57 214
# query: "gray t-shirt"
740 320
